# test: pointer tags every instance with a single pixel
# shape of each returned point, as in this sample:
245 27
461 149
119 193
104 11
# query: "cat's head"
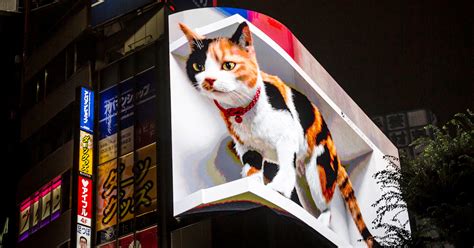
224 68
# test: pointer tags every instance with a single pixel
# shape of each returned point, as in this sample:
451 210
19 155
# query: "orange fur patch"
327 192
276 81
252 171
230 129
313 131
349 197
223 50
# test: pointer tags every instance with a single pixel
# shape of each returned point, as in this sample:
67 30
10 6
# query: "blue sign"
108 105
127 103
145 128
87 110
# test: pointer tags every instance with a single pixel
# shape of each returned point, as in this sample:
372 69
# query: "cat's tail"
345 186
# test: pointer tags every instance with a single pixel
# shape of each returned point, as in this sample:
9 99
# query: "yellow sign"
85 153
106 207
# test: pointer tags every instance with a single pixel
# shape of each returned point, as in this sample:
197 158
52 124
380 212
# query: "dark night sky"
387 55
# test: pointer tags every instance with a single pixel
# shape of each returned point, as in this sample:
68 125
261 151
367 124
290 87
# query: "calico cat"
278 133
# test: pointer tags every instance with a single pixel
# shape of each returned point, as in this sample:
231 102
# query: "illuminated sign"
56 205
86 144
84 201
83 236
45 194
87 110
36 211
40 208
24 218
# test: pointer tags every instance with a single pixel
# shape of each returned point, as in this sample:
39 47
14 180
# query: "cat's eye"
228 66
198 67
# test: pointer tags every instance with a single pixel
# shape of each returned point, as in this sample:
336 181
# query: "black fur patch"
366 234
335 164
325 161
294 160
294 197
198 55
270 170
237 36
350 196
323 134
275 98
344 183
304 108
253 158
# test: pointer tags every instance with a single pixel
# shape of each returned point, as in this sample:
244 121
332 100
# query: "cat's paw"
325 218
280 188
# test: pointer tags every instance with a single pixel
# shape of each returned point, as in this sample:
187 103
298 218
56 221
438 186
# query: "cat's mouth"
218 91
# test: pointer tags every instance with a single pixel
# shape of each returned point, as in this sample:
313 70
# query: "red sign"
84 201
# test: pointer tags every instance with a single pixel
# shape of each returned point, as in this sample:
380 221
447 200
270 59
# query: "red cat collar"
240 111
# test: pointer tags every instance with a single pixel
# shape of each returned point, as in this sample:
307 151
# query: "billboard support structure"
166 222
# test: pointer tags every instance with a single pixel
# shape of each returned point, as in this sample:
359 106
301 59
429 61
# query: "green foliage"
436 186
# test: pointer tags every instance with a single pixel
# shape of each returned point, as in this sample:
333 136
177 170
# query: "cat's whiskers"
240 98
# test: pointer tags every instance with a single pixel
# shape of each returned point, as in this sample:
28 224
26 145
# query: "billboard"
86 141
106 203
87 110
256 119
145 129
137 194
84 203
84 234
42 207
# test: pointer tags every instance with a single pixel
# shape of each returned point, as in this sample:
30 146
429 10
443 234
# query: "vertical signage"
83 236
84 163
84 203
85 153
87 110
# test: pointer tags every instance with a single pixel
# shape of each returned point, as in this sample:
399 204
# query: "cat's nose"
210 81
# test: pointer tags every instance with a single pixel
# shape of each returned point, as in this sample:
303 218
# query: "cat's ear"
193 37
242 36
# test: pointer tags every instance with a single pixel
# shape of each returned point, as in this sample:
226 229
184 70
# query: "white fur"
312 177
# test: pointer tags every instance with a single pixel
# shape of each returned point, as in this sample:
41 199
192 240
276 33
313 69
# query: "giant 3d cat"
278 133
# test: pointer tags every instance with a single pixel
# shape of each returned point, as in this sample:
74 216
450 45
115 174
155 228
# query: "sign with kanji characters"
84 234
84 201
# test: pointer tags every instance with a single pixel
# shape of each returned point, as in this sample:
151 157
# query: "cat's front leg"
285 179
252 161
